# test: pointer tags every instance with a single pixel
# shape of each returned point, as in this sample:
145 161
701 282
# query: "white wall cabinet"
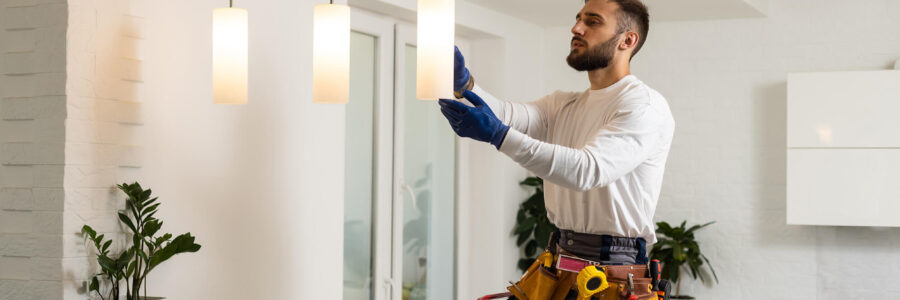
843 148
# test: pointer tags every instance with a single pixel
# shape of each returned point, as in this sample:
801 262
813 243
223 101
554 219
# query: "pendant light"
434 59
230 55
331 53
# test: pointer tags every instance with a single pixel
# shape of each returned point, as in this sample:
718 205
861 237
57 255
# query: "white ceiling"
562 12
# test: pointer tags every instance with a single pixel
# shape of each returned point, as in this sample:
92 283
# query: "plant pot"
125 298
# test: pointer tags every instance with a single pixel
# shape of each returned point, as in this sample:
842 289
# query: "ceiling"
562 12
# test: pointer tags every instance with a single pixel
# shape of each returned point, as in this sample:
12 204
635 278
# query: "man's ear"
630 40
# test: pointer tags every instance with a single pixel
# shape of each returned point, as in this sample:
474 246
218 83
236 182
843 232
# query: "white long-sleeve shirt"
601 154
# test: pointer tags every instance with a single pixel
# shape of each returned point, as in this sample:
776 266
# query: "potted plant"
677 249
533 228
146 252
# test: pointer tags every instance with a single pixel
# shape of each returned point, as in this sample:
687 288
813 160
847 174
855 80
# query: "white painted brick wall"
103 125
32 137
46 107
38 15
726 84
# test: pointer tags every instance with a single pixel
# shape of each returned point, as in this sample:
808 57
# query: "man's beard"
597 57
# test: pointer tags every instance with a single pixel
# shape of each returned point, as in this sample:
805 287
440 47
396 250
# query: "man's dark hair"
633 15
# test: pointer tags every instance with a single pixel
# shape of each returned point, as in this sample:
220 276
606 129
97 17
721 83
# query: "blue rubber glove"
478 123
460 72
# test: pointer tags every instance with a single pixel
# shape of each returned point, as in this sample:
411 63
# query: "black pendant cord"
332 1
230 3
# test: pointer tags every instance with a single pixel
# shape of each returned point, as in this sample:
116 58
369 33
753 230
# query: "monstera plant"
677 249
533 228
148 248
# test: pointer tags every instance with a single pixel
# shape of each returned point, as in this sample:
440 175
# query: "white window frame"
383 30
387 234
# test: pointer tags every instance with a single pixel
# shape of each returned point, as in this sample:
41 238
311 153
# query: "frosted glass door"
427 183
359 169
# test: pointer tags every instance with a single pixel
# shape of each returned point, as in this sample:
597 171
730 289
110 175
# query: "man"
601 152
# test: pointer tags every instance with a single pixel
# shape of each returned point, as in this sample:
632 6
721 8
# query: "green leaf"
143 255
95 285
531 181
542 233
695 227
106 245
163 238
151 227
530 248
122 261
663 228
151 201
107 264
144 196
89 231
181 244
151 208
532 204
678 254
710 267
523 237
130 269
526 226
127 222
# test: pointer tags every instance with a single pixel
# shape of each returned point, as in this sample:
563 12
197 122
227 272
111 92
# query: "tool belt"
557 275
543 282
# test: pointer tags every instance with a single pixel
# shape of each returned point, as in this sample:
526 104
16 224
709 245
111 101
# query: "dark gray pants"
605 249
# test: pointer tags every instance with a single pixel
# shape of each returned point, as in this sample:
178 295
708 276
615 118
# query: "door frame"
405 34
382 29
392 35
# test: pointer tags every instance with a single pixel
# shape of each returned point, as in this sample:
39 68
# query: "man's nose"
578 30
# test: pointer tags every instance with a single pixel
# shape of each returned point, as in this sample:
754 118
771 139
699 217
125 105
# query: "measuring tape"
591 280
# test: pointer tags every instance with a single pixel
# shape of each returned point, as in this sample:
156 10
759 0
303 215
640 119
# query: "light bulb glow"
230 58
331 53
434 59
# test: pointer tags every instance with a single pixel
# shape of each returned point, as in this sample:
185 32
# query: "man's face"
595 37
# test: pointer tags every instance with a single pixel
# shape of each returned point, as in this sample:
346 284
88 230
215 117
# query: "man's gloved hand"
477 122
460 72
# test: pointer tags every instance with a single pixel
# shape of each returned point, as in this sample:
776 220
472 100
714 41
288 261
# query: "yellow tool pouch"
539 283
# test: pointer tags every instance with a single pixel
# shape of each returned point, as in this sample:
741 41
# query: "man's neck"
603 78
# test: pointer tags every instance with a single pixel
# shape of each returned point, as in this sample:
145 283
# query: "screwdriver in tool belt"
655 271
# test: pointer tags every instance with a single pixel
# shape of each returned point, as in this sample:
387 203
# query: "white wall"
261 185
726 84
32 147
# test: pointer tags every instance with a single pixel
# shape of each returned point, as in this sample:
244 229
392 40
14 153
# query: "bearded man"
601 152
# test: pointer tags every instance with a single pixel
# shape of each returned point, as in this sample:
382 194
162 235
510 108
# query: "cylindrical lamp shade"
230 56
331 53
434 59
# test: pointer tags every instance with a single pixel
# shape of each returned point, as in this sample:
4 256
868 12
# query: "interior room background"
97 92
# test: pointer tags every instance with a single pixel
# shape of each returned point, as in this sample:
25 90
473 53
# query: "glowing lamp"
434 59
331 53
230 55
